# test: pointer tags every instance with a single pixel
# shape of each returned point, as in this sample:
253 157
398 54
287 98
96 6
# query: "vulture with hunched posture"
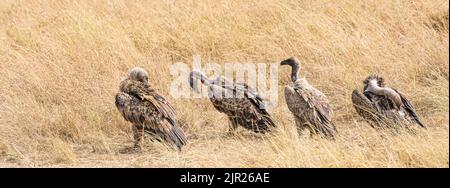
383 106
308 105
238 101
148 111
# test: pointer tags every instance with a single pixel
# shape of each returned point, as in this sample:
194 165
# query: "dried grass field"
61 63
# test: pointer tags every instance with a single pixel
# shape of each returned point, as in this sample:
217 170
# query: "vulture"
309 106
241 103
148 111
383 106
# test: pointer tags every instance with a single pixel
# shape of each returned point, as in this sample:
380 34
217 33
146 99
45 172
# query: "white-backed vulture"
383 106
239 102
148 111
308 105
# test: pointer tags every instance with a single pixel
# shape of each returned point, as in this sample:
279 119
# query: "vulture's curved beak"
285 62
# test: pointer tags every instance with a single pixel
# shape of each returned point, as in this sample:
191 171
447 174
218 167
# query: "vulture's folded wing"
410 109
303 104
153 112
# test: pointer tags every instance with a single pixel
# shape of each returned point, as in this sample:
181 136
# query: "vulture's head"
138 74
196 75
295 65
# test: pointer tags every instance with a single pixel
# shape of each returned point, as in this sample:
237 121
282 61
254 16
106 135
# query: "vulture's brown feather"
149 112
247 110
309 106
380 110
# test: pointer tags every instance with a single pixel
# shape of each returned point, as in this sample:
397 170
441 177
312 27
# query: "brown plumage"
383 106
148 111
309 106
243 106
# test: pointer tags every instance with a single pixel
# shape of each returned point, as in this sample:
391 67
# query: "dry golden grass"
61 62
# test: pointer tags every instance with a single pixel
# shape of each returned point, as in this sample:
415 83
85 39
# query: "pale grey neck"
374 88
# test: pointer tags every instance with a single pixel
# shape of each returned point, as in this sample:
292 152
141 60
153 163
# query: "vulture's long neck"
387 92
294 73
205 80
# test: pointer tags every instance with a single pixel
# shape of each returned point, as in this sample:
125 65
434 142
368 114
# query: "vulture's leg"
138 132
233 125
300 124
312 129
